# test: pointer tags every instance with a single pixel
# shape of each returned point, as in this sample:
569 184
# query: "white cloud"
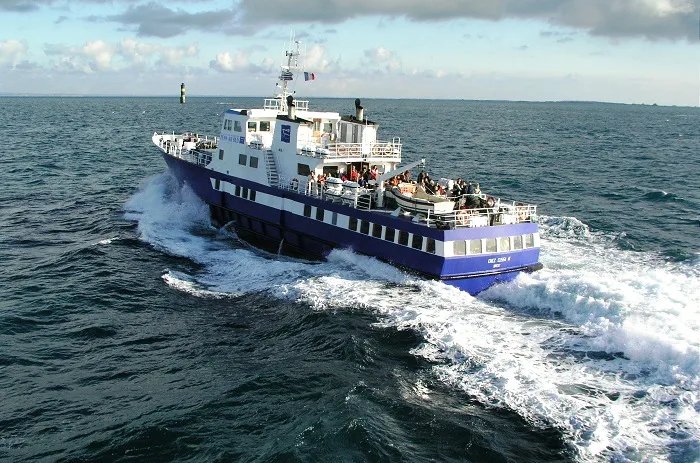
177 56
100 56
661 8
12 51
227 62
382 57
316 59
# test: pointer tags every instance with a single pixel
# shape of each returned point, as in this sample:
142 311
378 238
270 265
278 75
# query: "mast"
287 72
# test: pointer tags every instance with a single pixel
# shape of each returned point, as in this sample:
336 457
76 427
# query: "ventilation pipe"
291 108
359 110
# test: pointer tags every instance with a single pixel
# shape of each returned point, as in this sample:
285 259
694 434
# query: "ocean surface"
132 330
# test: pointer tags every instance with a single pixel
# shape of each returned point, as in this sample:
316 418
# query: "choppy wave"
660 196
601 344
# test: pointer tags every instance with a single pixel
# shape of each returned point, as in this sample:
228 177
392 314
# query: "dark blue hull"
304 236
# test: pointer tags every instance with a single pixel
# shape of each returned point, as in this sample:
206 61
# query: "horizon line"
76 95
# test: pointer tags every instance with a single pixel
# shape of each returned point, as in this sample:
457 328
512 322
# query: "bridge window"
252 126
403 237
459 248
254 162
238 190
334 218
237 126
245 192
377 231
252 195
221 155
390 234
319 213
303 169
227 124
264 126
352 225
242 159
430 246
217 184
307 210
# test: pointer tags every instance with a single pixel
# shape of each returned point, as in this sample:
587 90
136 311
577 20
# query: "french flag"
309 76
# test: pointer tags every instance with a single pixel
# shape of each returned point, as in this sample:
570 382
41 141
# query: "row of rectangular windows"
487 245
242 160
253 126
241 192
245 193
377 231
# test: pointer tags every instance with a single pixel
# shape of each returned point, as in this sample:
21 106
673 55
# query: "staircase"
273 178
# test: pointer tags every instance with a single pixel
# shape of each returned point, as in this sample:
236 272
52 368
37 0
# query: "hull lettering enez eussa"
304 182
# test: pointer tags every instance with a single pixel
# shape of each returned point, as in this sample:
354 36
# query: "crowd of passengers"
364 178
468 194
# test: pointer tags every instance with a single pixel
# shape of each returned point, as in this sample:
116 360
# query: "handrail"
501 214
378 149
279 105
173 145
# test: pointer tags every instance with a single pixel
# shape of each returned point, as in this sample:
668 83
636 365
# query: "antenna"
287 71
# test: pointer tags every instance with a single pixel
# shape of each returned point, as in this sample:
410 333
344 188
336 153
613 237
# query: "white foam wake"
602 344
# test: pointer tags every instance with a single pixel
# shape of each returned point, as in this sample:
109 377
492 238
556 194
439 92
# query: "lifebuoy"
490 201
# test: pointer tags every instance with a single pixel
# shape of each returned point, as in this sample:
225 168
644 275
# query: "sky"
624 51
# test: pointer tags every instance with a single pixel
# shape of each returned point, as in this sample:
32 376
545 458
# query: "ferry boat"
304 182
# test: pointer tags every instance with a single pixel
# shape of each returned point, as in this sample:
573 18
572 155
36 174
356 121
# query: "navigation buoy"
182 93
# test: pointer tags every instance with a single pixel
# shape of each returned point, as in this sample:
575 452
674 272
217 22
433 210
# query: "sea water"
131 329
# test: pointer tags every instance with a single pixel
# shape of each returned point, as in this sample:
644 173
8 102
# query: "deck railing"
378 149
503 213
279 105
173 144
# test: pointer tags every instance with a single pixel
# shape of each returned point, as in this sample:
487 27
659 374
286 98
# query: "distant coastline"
69 95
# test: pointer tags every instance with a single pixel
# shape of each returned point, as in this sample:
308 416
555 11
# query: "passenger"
374 173
462 187
311 188
456 189
354 175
